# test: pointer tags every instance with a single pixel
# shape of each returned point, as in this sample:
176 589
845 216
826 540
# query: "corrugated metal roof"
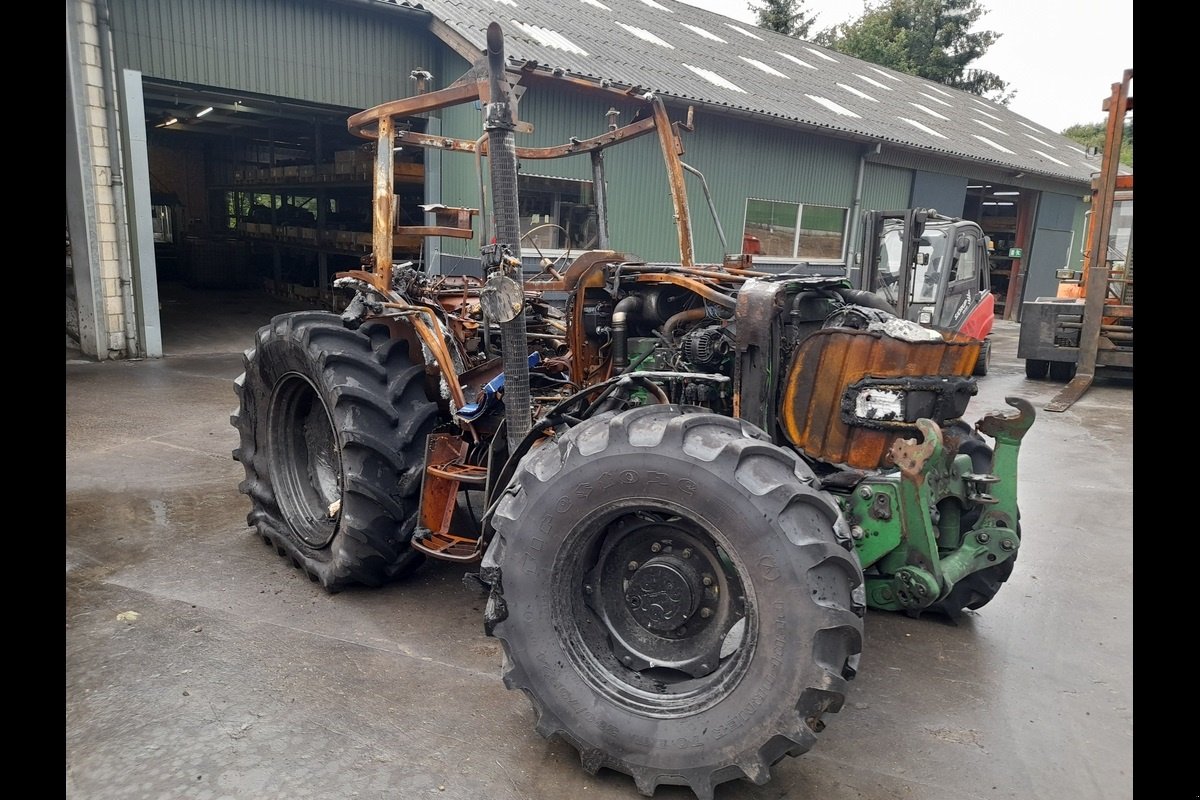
684 52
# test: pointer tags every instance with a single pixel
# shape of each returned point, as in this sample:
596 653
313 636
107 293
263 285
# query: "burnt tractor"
693 479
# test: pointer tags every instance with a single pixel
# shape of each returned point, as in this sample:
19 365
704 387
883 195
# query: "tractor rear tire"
977 589
660 516
332 425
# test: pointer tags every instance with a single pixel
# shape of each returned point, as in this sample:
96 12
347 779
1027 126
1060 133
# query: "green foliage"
1091 134
788 17
929 38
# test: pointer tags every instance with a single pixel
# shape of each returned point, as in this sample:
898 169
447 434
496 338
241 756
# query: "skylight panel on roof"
596 3
795 60
988 141
929 111
886 75
939 91
767 68
832 106
706 34
854 91
507 2
1039 141
819 54
743 32
991 116
1052 158
991 127
925 128
1077 149
1036 130
714 78
660 7
549 38
646 36
873 82
934 99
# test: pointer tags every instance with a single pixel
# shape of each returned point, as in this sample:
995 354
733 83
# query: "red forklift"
933 270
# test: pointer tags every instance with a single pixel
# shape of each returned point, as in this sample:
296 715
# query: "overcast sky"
1061 56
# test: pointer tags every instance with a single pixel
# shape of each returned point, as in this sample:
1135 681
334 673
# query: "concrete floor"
199 664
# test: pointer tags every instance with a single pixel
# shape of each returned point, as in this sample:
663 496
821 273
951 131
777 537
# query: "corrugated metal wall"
320 52
740 159
886 188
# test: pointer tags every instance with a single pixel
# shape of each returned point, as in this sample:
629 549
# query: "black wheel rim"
652 609
305 465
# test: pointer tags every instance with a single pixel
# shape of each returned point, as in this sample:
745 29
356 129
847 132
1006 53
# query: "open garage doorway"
256 203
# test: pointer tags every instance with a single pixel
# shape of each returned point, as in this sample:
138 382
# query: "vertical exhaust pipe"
499 123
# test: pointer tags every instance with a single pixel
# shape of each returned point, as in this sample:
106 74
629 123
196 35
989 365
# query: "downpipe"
117 182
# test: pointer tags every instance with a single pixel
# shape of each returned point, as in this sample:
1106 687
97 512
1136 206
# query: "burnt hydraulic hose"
499 123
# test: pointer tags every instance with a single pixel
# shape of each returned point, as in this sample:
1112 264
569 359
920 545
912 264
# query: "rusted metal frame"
575 147
454 94
1097 275
672 149
1096 259
440 353
757 364
600 193
383 205
702 289
741 275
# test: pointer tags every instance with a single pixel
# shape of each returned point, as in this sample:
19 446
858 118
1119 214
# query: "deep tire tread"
739 445
360 375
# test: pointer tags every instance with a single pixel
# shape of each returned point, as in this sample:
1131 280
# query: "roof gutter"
416 11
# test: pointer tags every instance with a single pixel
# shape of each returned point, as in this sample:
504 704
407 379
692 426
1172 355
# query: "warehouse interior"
262 195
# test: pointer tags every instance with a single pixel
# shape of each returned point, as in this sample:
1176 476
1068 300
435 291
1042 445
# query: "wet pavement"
199 664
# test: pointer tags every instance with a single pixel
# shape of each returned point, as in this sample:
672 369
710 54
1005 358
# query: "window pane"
822 232
964 267
770 228
557 213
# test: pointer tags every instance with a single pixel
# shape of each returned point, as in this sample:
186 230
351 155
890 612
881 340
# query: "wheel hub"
664 593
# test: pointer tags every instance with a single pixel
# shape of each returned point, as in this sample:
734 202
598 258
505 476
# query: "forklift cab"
930 269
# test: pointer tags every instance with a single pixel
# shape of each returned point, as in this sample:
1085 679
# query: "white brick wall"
108 271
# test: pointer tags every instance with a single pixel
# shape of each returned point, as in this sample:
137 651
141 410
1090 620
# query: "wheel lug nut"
656 547
627 659
706 612
707 580
687 552
633 565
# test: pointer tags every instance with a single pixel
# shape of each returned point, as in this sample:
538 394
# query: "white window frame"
840 259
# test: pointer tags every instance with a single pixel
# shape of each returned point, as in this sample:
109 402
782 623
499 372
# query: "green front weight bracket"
918 572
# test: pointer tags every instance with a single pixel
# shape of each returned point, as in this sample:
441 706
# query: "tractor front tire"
332 425
674 597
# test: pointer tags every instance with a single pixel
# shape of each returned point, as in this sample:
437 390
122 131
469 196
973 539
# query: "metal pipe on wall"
853 245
